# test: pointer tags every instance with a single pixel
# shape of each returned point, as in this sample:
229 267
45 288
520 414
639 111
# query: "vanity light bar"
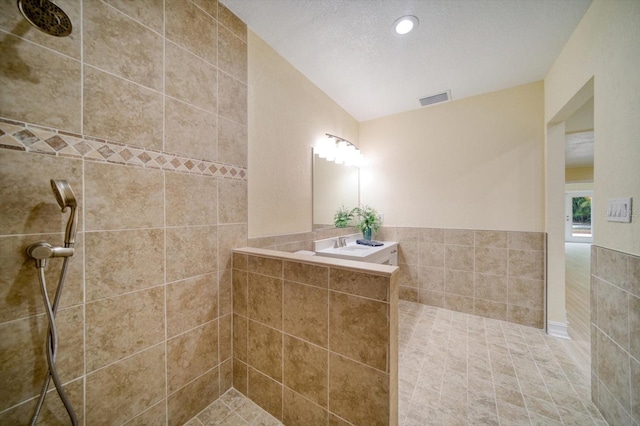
339 150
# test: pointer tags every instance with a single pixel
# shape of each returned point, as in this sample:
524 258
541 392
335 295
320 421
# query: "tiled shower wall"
315 343
615 335
495 274
143 110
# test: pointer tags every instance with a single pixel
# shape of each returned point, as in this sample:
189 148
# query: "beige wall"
475 163
287 115
578 174
148 124
604 46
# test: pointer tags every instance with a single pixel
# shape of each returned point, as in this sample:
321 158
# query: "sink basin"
353 248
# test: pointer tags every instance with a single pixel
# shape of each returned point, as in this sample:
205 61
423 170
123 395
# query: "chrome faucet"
342 241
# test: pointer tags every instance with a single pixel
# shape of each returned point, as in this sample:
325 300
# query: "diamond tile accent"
26 137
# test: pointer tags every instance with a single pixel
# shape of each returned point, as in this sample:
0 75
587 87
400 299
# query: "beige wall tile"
306 369
265 266
431 298
348 381
232 22
613 313
21 295
491 287
265 392
137 110
634 274
132 385
232 54
22 354
635 389
458 282
307 274
527 293
123 325
431 279
613 369
408 234
634 328
240 377
491 260
225 292
300 411
189 130
240 292
359 283
190 79
431 255
359 329
196 206
226 375
193 398
233 98
432 235
610 408
265 300
240 261
459 257
225 338
525 316
490 309
461 237
120 197
232 142
497 239
28 203
191 251
39 86
526 264
240 335
408 252
155 415
53 411
337 421
525 240
191 303
135 251
116 43
191 28
305 312
232 201
408 293
458 303
230 237
191 354
408 275
209 6
148 12
264 349
612 267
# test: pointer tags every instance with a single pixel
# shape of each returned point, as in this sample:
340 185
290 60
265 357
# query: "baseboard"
558 329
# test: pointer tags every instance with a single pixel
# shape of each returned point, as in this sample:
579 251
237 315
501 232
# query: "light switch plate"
619 210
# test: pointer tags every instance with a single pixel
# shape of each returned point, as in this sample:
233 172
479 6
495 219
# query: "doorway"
578 213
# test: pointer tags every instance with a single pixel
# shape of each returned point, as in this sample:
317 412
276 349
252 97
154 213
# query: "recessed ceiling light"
405 24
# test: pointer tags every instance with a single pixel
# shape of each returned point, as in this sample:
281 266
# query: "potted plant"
342 217
368 220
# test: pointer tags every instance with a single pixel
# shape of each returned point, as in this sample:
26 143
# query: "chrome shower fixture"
46 16
40 252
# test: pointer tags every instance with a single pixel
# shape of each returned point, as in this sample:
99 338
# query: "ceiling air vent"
434 99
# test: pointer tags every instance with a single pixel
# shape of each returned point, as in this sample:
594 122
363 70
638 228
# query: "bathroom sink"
353 248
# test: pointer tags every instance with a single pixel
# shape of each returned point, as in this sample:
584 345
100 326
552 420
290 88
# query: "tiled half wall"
615 335
495 274
315 342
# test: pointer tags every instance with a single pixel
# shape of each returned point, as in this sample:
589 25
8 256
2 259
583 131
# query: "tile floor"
460 369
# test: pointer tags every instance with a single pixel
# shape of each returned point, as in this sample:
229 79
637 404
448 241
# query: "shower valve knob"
43 250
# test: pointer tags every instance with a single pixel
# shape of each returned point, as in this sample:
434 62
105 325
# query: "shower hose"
52 344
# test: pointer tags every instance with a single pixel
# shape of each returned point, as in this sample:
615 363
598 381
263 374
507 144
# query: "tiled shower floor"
460 369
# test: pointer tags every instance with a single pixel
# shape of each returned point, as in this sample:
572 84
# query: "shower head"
64 194
46 16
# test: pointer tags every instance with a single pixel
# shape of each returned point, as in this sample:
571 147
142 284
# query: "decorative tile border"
31 138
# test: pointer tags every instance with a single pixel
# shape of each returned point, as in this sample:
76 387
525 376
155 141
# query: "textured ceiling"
579 149
348 48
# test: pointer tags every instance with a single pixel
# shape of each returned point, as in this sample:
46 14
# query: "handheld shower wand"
40 252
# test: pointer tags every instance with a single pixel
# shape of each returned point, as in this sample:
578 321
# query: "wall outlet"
381 217
619 210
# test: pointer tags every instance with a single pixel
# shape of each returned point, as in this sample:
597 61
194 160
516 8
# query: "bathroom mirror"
334 185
